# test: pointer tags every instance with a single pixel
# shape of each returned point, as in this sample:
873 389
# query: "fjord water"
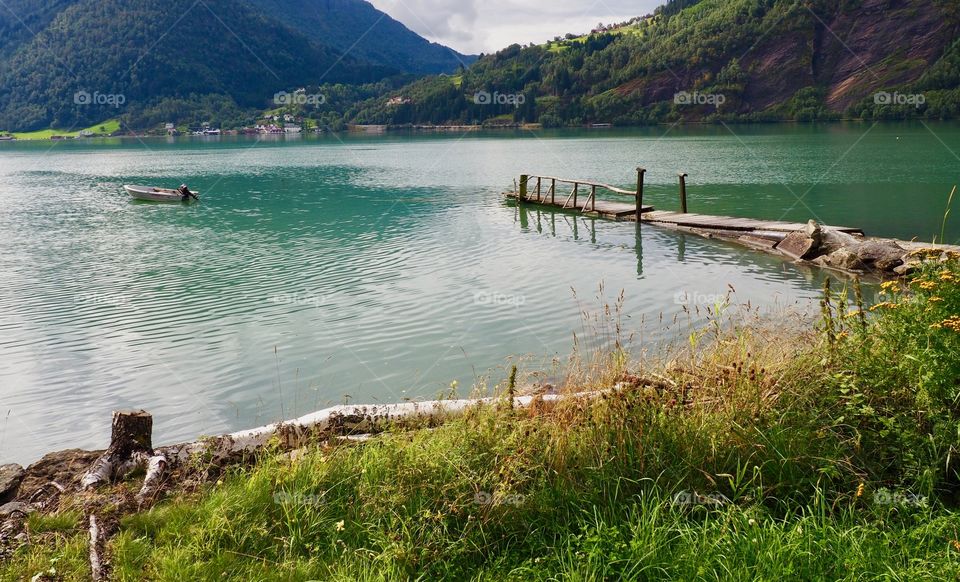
379 268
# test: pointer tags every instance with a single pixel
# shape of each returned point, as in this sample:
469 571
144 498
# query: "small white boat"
158 194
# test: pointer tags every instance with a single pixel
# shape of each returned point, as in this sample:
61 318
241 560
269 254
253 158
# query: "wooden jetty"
582 198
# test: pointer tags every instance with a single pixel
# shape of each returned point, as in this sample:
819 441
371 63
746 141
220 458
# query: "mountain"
68 63
740 60
367 32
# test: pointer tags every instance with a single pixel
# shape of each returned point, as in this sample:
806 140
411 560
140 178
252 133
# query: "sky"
486 26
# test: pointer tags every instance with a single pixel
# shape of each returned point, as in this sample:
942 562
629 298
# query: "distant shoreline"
383 129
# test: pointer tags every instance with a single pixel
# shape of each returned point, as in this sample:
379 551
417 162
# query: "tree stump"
132 432
131 444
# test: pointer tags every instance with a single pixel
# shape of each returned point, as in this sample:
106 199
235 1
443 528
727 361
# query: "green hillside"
740 60
73 63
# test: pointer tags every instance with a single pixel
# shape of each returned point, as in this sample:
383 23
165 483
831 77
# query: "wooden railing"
591 201
525 189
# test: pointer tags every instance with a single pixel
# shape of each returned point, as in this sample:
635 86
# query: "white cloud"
474 26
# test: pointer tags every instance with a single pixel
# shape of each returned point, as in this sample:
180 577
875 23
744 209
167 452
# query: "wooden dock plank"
731 223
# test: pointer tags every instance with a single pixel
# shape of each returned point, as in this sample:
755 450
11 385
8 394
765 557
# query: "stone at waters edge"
815 233
10 477
798 246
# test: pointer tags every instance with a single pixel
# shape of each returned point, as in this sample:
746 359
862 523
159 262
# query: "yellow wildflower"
860 489
853 313
948 277
935 300
889 285
956 545
927 285
952 323
884 305
926 252
340 525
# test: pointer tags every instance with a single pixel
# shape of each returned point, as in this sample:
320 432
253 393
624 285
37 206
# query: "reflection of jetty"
582 198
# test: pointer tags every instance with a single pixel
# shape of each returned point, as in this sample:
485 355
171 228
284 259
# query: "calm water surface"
383 268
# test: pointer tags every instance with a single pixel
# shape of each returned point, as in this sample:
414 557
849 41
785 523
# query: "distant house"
292 129
396 101
269 129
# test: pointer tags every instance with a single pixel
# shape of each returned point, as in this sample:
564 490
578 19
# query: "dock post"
640 174
683 192
553 191
523 188
593 198
576 187
539 180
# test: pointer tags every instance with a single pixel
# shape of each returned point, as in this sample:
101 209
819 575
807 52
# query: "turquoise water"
374 269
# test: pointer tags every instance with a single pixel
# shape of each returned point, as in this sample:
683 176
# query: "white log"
156 468
336 421
97 548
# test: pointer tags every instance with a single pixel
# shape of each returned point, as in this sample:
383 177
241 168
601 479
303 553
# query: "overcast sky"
485 26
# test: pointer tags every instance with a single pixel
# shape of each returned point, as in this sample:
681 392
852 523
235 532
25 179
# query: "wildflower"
853 313
340 526
751 522
927 285
952 323
948 277
883 305
935 300
860 489
889 285
926 252
956 545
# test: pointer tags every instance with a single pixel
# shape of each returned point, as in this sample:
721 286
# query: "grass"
105 128
750 453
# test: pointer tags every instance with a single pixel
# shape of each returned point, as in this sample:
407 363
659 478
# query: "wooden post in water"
683 192
576 187
523 188
539 180
593 198
553 190
640 174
